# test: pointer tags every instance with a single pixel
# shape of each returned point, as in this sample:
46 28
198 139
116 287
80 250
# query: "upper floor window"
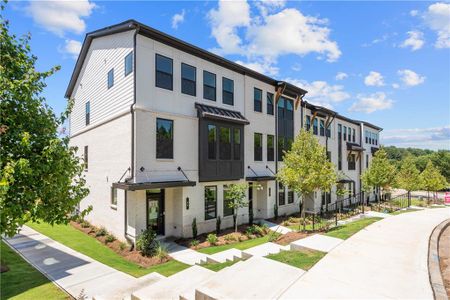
237 143
129 63
188 79
345 133
212 138
328 131
257 100
225 143
209 86
86 157
110 78
164 138
308 122
354 135
339 130
210 202
270 147
257 146
322 127
164 72
352 162
367 161
349 134
315 125
227 91
269 103
87 112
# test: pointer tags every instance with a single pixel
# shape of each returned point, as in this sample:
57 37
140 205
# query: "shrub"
194 243
255 230
194 228
230 237
161 252
109 238
243 238
273 237
123 246
285 223
101 232
212 239
218 221
265 228
147 243
85 224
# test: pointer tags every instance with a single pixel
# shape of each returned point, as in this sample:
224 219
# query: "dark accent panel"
219 169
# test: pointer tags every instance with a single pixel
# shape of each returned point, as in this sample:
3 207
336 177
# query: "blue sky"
384 62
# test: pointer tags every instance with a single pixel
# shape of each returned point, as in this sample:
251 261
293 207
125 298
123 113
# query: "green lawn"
347 230
83 243
240 245
23 281
303 259
399 212
308 227
218 266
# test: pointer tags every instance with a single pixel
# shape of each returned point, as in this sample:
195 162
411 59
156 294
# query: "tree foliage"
408 176
305 166
237 193
432 180
40 175
380 174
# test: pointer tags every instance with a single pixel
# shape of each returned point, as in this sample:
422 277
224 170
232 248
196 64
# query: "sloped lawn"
347 230
23 281
303 259
83 243
238 245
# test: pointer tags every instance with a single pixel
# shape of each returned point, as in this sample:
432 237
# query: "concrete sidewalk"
387 259
74 272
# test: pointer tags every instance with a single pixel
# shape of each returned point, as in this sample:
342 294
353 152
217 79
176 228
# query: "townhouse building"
164 127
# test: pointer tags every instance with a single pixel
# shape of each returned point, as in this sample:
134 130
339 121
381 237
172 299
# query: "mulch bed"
123 249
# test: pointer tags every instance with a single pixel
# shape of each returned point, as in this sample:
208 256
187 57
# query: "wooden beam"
313 117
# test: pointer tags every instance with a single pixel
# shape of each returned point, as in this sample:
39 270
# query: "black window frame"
345 133
257 151
158 73
351 162
308 123
227 211
316 126
86 157
226 93
257 104
225 147
185 80
322 127
281 194
269 105
270 150
113 201
110 79
207 86
160 146
87 113
128 64
236 143
208 203
290 196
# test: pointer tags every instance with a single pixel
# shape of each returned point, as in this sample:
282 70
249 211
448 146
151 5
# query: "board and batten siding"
104 54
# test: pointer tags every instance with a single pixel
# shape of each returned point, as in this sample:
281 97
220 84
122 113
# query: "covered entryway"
155 211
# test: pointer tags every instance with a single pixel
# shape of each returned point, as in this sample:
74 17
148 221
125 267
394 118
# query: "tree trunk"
235 222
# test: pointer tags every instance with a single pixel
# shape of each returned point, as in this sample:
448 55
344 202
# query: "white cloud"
61 16
264 34
414 40
427 138
413 13
437 17
371 103
320 92
396 85
178 19
341 76
410 78
374 79
261 67
72 47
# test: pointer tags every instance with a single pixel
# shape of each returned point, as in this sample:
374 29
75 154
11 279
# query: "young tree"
306 168
380 174
432 180
408 176
237 193
40 175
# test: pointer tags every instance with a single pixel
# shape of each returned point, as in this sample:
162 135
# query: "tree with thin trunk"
432 180
41 177
380 174
237 194
408 176
306 168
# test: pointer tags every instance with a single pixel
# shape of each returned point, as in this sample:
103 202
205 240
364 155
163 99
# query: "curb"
434 271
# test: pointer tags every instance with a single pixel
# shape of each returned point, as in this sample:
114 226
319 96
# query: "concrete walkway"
275 227
74 272
317 242
387 259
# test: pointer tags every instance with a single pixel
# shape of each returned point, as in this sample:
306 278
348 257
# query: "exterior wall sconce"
187 203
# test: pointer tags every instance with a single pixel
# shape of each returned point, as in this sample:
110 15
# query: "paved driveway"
388 259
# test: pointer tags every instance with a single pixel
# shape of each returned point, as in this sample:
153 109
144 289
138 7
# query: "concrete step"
227 255
316 242
255 278
172 287
263 250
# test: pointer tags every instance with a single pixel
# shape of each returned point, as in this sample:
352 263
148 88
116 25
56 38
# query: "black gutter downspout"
132 138
361 193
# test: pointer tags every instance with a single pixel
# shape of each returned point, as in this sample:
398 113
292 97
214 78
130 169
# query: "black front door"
155 210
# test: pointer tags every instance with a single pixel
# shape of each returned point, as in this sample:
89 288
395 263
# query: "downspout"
361 193
132 108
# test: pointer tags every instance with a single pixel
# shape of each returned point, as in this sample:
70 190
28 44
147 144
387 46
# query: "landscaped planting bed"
303 259
21 281
114 254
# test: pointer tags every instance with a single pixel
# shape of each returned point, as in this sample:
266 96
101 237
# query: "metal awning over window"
259 175
152 185
345 181
354 147
216 113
